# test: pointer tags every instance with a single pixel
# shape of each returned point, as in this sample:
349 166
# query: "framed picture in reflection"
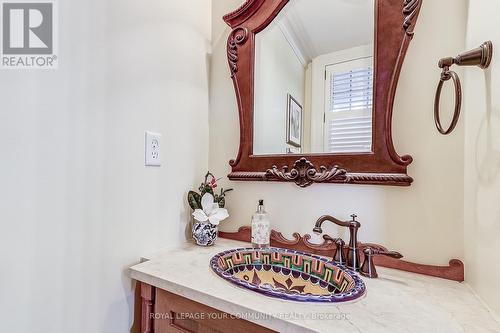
293 150
293 122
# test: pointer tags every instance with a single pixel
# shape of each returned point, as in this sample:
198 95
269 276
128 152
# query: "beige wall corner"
482 158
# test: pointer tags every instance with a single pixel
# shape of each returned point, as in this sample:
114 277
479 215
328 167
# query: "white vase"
204 233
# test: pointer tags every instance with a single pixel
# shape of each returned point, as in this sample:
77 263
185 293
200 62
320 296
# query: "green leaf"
206 189
226 191
221 201
194 200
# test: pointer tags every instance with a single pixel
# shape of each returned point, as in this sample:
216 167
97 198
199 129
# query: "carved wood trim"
395 23
379 178
237 37
304 173
147 308
411 10
350 178
455 270
242 13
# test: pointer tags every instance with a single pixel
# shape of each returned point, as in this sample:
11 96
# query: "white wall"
278 72
481 115
425 221
325 26
77 205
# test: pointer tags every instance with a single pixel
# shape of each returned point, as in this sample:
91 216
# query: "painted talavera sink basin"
288 274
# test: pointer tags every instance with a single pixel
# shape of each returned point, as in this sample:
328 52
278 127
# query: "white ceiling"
319 27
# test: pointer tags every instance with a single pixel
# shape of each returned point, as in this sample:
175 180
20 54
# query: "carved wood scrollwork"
237 37
410 11
305 174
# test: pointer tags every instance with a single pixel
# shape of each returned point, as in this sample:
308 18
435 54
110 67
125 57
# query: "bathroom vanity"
180 293
315 82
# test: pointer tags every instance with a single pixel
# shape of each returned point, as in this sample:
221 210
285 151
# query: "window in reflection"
349 102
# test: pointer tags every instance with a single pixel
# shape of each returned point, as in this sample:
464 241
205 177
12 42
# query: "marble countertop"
395 302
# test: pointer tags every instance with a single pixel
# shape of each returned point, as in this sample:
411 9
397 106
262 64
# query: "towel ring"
446 75
480 57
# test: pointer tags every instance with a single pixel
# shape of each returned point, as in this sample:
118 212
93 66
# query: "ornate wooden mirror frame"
394 24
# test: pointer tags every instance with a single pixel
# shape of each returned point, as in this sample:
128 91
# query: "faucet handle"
392 254
339 257
329 238
354 222
368 268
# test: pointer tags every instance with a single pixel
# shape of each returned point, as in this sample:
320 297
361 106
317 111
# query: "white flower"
211 211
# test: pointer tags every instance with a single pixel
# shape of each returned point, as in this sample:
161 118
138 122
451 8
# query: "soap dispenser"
261 228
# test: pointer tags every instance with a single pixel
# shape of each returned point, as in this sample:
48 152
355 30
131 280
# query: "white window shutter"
348 119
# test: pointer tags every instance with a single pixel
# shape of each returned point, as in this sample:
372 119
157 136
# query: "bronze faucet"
353 225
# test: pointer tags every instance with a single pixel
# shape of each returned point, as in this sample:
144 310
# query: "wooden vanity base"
165 312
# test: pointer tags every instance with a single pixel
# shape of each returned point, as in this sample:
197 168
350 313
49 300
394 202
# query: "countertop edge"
220 304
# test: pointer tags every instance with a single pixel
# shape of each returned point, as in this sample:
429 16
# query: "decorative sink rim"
356 292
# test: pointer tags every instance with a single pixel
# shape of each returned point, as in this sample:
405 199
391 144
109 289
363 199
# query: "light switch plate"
152 149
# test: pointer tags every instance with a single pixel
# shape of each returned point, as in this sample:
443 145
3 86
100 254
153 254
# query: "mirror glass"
313 79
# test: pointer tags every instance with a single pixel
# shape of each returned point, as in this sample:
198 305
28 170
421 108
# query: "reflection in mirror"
314 79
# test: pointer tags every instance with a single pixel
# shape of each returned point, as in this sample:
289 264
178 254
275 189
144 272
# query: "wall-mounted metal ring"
445 76
480 57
